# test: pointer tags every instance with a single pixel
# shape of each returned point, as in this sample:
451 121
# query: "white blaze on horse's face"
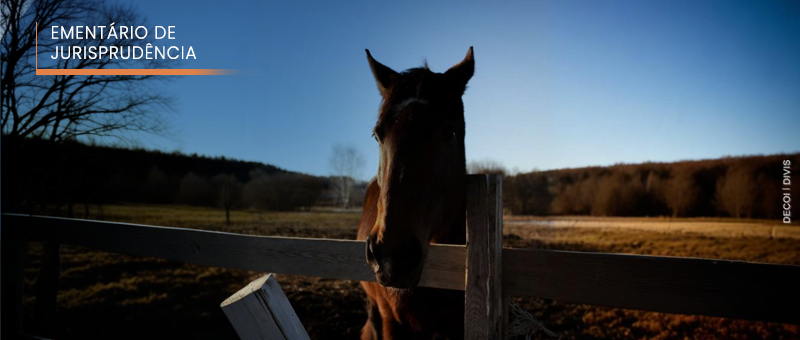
421 173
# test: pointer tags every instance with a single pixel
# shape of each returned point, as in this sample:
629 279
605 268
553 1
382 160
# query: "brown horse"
416 199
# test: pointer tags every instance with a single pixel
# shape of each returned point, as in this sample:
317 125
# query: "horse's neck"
456 232
457 235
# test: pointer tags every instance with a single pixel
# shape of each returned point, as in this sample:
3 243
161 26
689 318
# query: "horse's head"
421 175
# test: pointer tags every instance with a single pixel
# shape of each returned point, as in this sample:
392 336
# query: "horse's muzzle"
400 268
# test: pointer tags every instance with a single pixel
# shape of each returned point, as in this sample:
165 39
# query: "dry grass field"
104 295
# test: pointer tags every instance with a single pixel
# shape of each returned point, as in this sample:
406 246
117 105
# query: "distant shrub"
527 194
228 191
195 190
486 166
619 194
282 192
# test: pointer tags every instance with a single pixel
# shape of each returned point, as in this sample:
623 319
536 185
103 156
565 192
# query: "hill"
38 174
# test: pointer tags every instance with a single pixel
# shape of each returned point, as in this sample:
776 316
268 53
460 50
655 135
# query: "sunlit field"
104 295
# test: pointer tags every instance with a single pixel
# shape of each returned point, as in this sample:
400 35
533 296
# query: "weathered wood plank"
261 311
444 267
336 259
286 319
722 288
497 301
475 309
732 289
250 326
483 310
249 316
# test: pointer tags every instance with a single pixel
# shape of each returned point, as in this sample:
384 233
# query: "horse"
417 198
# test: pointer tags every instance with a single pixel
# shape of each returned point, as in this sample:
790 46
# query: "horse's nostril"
374 258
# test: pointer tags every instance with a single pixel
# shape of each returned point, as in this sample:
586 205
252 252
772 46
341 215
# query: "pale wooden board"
337 259
249 317
261 311
723 288
287 320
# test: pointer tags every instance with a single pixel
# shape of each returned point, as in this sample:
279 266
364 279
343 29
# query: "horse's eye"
449 135
376 137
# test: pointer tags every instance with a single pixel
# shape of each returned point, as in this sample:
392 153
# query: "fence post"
485 304
261 311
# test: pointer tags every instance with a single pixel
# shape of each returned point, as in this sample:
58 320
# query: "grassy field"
716 227
104 295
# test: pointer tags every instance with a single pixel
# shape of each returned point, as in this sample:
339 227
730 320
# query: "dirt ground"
104 295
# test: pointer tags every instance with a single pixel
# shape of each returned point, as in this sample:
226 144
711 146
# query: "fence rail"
488 273
722 288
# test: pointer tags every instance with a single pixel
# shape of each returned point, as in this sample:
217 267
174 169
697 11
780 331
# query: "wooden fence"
487 272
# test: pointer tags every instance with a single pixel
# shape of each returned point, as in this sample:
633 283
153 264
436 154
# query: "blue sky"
557 83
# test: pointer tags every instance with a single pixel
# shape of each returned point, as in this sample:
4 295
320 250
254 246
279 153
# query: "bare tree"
619 194
681 192
281 191
195 190
65 107
528 193
157 185
736 192
346 163
486 166
229 193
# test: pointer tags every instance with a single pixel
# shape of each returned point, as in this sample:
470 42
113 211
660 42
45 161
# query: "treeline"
740 187
38 174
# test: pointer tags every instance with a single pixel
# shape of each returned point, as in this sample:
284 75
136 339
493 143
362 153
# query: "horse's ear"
462 72
383 75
